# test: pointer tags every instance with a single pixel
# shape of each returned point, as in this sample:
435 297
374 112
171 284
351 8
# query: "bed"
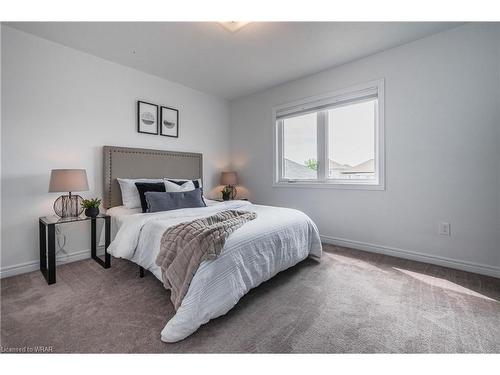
277 239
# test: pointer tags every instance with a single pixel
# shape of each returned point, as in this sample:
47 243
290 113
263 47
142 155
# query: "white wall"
59 107
442 143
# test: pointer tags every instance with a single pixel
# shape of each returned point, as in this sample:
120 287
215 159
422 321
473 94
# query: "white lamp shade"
68 180
229 178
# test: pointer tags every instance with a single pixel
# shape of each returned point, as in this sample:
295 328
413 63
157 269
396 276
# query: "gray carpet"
352 301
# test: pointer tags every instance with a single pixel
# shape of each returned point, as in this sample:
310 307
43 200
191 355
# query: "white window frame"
331 98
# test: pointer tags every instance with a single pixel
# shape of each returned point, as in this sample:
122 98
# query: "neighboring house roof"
299 171
334 165
365 167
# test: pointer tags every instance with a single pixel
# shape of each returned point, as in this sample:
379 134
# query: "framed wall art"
169 122
147 118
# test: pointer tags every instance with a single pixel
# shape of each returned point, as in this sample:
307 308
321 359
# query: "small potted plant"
91 207
226 193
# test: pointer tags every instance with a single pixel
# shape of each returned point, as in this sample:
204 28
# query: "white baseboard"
413 255
34 265
400 253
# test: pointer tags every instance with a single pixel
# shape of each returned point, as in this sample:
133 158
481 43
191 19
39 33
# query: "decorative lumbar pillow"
168 201
144 187
130 195
175 187
180 181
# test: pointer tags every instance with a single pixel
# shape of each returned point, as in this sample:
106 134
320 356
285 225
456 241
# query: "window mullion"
322 150
280 151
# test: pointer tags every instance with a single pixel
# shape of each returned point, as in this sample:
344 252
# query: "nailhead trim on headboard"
110 179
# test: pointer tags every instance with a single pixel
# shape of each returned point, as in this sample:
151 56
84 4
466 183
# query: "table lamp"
230 180
68 180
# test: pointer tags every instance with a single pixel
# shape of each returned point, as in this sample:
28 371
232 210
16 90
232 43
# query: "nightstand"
47 231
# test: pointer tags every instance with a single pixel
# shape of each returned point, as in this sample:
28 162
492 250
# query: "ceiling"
205 56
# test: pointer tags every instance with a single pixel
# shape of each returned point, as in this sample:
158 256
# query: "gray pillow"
159 201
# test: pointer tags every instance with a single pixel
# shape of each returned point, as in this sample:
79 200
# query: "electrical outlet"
444 229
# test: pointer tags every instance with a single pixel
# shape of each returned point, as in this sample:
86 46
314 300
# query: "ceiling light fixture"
233 26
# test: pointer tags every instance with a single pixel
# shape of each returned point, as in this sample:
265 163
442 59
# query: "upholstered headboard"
125 162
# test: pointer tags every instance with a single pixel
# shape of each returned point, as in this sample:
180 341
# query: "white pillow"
172 187
185 179
130 194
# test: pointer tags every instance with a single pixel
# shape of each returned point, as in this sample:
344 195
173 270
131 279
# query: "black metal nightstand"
47 228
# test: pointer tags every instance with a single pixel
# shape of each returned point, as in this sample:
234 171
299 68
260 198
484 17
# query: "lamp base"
68 206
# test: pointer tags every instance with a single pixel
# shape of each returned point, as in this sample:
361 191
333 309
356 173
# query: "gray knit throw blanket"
184 246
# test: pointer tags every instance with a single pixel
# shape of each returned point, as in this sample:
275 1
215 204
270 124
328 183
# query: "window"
333 140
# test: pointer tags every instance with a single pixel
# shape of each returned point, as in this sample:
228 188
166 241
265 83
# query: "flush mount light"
233 26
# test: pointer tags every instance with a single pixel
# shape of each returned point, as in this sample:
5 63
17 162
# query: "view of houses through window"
300 147
350 143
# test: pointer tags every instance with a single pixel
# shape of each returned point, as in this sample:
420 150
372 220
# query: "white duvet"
276 240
